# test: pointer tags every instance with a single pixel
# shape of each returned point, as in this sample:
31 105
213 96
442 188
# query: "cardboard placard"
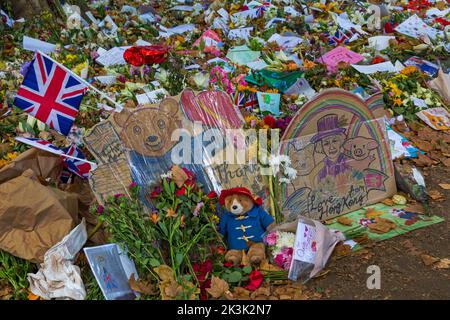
337 143
112 176
212 108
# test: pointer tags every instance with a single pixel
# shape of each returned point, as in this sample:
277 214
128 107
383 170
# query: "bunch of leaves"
14 270
184 223
129 226
235 276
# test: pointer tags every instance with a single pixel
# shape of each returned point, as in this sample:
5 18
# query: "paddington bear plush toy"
243 223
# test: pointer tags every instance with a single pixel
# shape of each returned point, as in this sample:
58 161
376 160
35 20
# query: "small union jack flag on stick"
77 163
51 93
74 159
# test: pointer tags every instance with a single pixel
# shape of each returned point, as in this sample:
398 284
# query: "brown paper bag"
33 217
44 164
442 85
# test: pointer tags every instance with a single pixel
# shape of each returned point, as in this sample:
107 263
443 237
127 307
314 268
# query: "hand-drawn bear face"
148 130
359 147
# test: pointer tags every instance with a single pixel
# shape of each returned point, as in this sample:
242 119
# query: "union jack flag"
50 93
245 100
79 167
338 38
41 144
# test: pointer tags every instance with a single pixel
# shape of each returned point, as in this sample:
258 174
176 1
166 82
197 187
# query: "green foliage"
15 270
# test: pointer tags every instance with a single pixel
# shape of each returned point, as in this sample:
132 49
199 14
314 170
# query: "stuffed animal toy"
243 224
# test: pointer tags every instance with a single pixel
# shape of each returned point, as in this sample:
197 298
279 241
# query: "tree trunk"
25 8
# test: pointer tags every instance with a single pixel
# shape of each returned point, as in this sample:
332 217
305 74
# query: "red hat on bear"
239 190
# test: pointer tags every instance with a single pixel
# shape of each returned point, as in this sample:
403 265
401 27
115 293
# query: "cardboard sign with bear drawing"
337 142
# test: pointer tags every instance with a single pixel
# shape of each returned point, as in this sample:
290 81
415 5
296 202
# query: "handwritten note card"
305 245
339 54
269 102
415 27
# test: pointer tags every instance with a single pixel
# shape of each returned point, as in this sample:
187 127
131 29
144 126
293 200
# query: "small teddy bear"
243 223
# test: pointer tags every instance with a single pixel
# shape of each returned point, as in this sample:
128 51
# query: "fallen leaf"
218 287
423 145
343 249
164 272
388 202
436 195
144 287
241 293
446 162
32 296
416 208
443 264
266 266
346 221
381 225
261 291
428 260
179 176
445 186
372 213
423 161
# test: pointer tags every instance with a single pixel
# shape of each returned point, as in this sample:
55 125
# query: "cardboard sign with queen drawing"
338 144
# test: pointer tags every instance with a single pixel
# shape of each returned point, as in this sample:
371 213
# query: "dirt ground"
403 273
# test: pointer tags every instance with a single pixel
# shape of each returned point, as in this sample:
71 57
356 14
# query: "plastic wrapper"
314 244
112 269
410 180
58 277
338 146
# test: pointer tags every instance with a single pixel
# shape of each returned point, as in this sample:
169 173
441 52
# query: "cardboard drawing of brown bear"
146 133
243 224
338 144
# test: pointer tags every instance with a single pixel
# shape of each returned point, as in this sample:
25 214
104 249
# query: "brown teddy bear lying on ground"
243 223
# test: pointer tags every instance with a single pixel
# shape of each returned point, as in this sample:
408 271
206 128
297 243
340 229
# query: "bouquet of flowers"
281 246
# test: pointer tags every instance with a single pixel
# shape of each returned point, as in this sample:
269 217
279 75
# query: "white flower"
168 175
162 75
290 172
201 79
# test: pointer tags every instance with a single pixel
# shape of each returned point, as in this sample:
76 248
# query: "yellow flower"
272 91
308 64
337 83
11 156
395 90
242 87
397 102
215 219
249 119
70 57
408 70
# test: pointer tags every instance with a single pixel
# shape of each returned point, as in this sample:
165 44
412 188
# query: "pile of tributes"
123 123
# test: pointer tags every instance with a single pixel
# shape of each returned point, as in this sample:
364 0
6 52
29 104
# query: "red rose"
256 279
377 60
270 121
180 192
220 250
388 28
212 195
228 264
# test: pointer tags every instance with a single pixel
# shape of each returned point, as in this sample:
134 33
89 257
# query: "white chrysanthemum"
168 174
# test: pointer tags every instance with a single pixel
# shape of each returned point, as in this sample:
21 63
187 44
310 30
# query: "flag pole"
118 106
93 164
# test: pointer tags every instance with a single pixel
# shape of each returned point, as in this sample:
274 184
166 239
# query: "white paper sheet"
240 33
380 42
373 68
33 44
285 42
113 56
